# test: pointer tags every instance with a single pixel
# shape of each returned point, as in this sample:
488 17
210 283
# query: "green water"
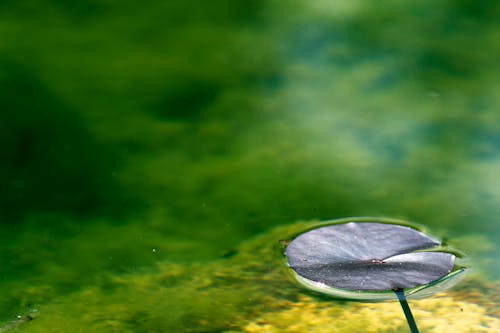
154 153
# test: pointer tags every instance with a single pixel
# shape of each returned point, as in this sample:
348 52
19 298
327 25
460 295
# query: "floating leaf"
372 261
367 257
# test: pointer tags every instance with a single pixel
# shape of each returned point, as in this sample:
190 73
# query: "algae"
165 135
434 315
257 295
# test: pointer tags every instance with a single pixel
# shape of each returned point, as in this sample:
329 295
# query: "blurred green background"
173 131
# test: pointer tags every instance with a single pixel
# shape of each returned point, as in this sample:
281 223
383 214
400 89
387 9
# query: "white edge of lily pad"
370 219
441 284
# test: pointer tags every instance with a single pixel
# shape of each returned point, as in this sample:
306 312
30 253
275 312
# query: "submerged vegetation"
149 153
256 294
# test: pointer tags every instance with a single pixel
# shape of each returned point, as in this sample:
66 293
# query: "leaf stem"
406 309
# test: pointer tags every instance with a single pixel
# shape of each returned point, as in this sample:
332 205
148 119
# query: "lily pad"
369 260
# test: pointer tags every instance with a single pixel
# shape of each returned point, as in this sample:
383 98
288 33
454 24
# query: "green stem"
406 309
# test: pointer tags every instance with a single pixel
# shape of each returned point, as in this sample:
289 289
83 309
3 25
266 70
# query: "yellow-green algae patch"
440 314
251 291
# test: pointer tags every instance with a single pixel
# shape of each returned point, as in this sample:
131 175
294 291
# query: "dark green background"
189 127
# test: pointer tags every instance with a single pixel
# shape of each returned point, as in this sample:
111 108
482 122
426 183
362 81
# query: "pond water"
154 156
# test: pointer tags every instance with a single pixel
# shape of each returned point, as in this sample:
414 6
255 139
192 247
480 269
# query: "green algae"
46 145
169 134
257 295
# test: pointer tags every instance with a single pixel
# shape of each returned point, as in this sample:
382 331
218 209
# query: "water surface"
155 154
